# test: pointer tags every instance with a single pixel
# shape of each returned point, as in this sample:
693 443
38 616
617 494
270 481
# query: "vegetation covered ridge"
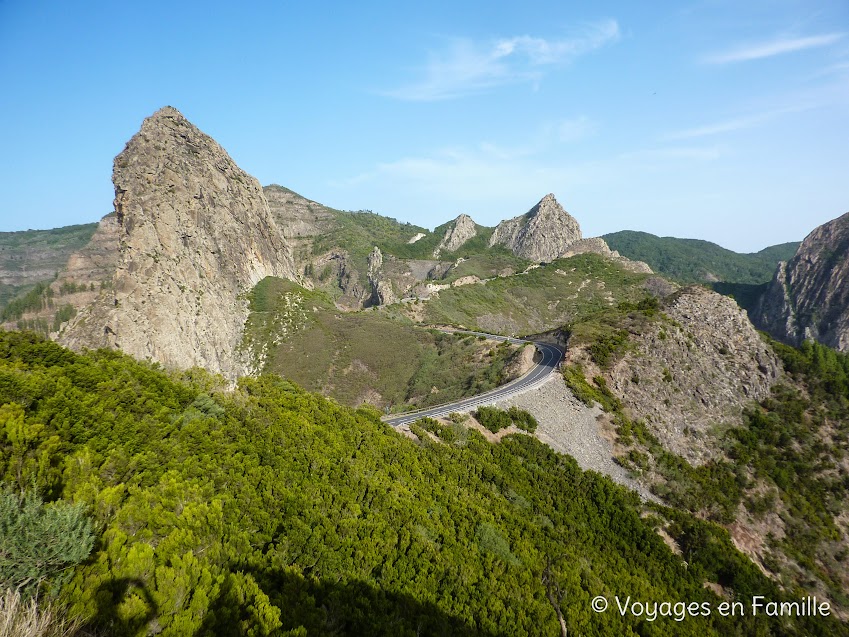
699 261
268 510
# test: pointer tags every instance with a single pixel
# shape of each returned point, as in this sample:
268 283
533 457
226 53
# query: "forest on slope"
268 510
698 261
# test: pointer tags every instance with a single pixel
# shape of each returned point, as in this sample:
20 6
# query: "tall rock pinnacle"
541 234
196 234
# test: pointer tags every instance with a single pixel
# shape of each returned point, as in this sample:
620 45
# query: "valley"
271 413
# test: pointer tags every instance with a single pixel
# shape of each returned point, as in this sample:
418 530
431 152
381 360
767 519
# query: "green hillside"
271 511
544 298
697 261
359 232
365 356
24 254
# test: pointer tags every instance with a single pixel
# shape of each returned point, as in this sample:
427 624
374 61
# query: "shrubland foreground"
272 511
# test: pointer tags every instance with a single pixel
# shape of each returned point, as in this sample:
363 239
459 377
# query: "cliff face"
808 298
542 234
195 234
301 220
96 261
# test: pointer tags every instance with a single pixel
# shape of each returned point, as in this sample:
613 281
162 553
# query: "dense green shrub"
493 418
289 514
524 420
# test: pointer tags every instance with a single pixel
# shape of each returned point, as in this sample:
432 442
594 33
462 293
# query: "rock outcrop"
195 235
694 369
542 234
96 261
382 292
459 231
808 298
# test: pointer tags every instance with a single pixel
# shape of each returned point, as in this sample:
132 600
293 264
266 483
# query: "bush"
493 418
496 419
522 419
40 541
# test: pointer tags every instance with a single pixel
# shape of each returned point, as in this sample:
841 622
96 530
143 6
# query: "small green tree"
40 542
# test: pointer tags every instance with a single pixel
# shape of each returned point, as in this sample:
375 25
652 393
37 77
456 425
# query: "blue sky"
724 121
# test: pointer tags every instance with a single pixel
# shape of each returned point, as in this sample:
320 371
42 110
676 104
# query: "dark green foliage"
288 512
793 444
493 418
496 419
522 419
37 298
694 260
40 542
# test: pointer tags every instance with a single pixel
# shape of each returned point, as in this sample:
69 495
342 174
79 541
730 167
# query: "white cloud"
491 175
694 153
801 103
468 67
716 128
572 130
772 48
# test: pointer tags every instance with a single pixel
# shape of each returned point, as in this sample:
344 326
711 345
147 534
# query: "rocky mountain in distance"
200 266
808 298
459 231
541 234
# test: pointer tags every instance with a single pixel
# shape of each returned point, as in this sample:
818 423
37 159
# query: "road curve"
550 357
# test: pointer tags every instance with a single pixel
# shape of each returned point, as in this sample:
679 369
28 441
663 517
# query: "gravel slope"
568 426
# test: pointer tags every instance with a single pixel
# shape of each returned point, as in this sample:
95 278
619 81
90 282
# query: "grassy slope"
269 509
484 265
545 298
692 260
365 356
20 251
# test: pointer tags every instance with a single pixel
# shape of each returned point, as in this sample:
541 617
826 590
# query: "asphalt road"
549 358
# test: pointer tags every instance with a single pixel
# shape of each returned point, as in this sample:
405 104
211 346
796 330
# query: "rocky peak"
541 234
808 298
696 367
195 234
459 231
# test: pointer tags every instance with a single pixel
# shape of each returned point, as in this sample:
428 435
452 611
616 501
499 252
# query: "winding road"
550 356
